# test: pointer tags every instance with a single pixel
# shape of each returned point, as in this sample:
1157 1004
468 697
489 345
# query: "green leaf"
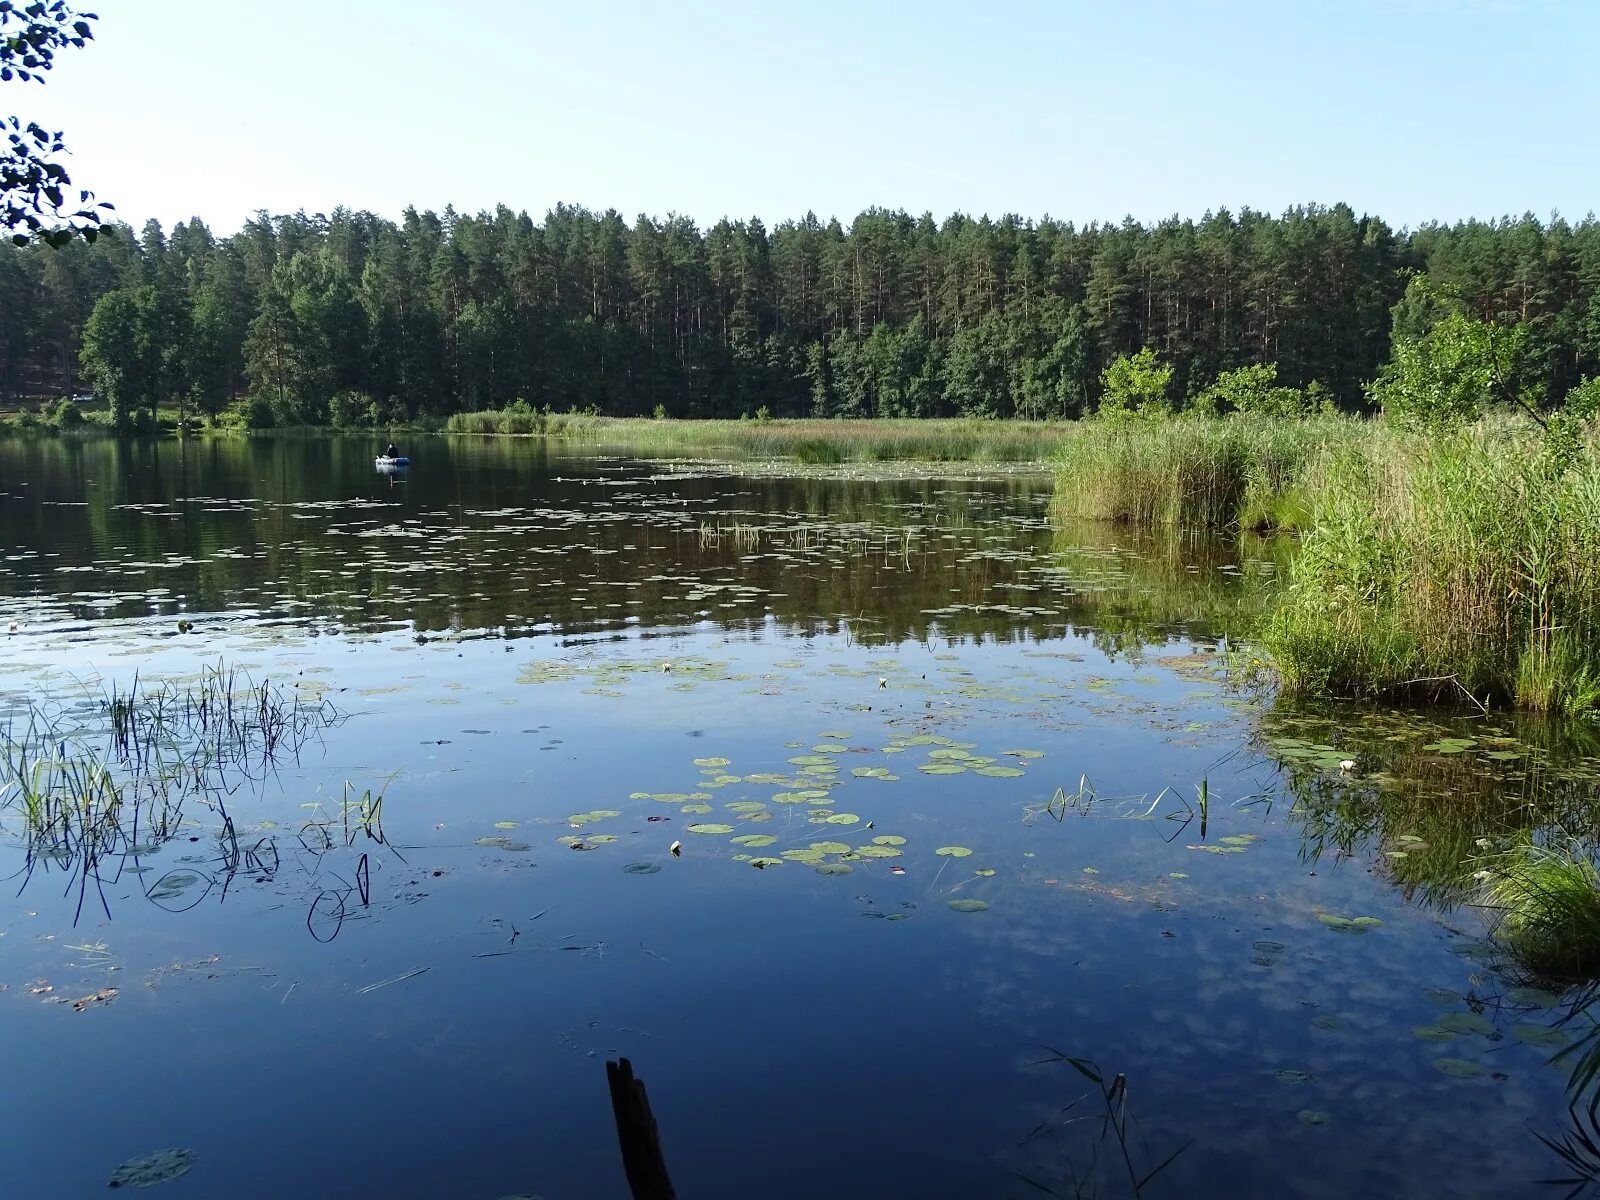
967 906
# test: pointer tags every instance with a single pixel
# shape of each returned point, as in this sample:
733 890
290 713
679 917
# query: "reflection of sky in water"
450 1039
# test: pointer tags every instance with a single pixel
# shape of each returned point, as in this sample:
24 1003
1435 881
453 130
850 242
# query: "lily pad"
1433 1033
1541 1036
159 1166
1000 772
1348 924
1531 997
954 851
710 762
967 905
889 839
500 843
641 868
1315 1116
709 827
1467 1022
1290 1075
754 840
1457 1068
834 869
830 847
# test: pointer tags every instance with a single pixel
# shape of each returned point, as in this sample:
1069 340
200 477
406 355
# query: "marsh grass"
1461 566
86 787
1545 906
817 442
1193 471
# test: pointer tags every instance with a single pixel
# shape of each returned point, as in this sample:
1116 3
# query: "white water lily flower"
676 848
1483 843
1348 764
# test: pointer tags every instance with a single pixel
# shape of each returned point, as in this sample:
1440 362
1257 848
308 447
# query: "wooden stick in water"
636 1133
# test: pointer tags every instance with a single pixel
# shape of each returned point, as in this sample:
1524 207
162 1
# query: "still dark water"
936 767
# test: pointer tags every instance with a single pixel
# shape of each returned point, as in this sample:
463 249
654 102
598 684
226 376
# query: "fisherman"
390 452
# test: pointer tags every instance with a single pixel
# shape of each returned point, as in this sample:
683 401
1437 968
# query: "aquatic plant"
812 441
1460 566
1118 1127
1545 901
92 787
1229 472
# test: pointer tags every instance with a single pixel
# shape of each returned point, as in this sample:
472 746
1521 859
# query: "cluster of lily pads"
842 839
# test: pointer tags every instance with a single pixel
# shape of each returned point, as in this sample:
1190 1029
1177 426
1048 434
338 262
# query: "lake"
983 834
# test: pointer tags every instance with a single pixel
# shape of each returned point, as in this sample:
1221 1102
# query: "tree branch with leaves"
37 199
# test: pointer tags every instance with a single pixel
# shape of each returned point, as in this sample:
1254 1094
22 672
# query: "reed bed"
807 441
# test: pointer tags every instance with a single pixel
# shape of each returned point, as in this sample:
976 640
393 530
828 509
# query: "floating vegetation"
1457 1068
1434 1033
967 905
1348 924
147 1170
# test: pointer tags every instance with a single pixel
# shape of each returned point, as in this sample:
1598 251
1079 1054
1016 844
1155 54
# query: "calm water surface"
936 767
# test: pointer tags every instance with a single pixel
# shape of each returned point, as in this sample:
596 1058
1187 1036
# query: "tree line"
352 318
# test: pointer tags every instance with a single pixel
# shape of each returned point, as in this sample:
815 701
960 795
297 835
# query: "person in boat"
390 452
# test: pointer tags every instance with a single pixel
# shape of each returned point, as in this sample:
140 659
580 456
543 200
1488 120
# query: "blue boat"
385 463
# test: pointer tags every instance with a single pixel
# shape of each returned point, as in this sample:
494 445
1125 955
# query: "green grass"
1228 472
806 441
1546 906
1458 565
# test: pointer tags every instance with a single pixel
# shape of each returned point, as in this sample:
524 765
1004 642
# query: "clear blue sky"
1411 109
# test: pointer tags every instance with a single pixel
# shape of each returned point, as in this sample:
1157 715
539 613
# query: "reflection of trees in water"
1420 804
499 536
1434 814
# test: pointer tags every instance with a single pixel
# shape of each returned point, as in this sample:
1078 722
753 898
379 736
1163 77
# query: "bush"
351 410
66 414
1136 385
255 412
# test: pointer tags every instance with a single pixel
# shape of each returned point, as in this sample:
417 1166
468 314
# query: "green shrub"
255 412
66 414
1136 385
351 410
